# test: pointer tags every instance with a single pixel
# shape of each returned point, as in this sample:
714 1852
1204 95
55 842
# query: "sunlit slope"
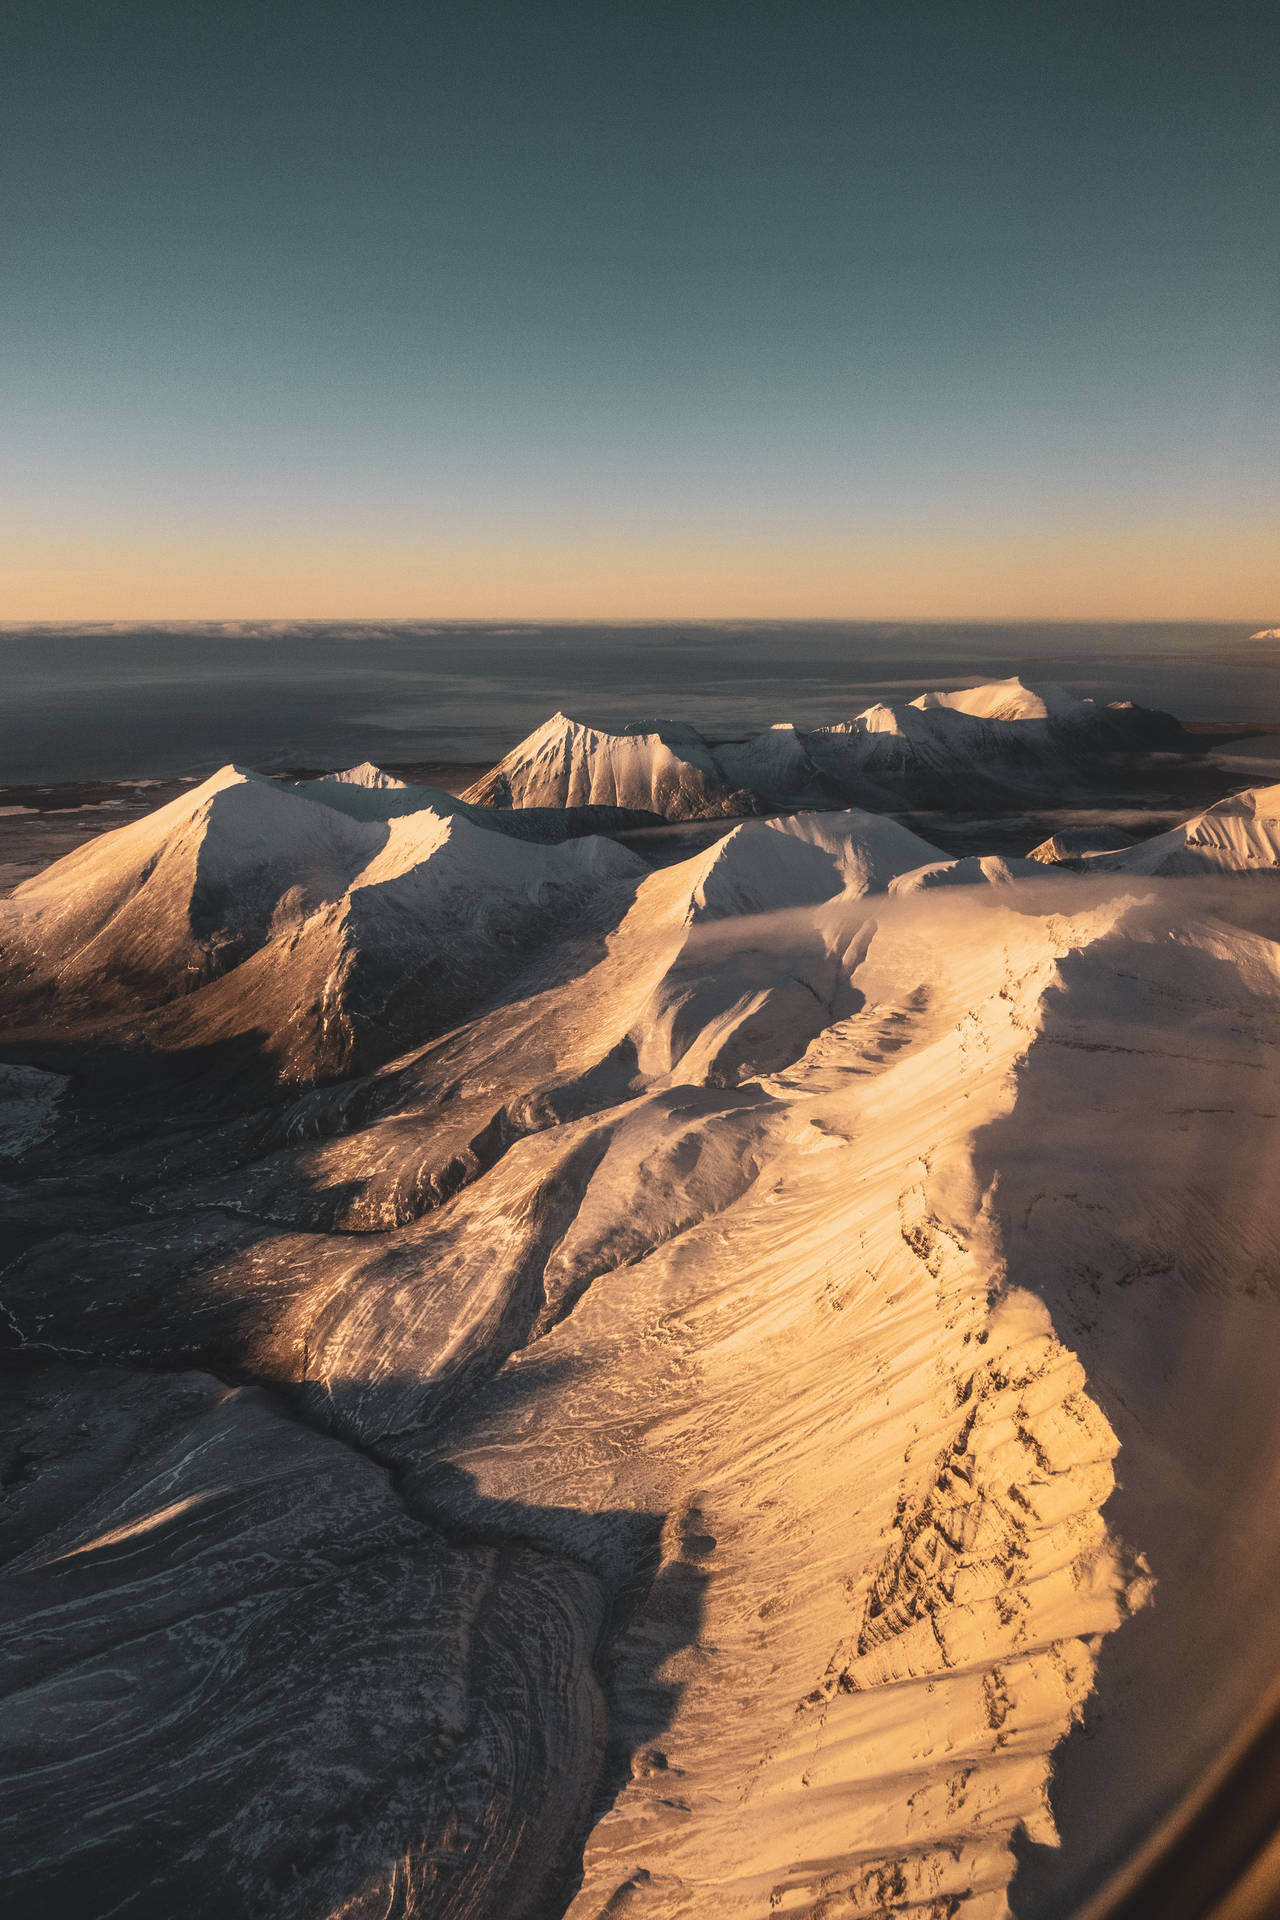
669 770
1237 835
817 1318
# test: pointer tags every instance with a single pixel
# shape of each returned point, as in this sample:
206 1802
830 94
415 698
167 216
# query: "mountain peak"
1010 699
365 775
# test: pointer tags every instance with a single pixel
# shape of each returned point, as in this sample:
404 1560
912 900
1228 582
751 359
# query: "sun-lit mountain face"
616 1346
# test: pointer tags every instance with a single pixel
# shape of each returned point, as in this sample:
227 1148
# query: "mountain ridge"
998 736
549 1382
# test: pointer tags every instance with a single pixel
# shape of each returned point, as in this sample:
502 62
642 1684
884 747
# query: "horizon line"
535 621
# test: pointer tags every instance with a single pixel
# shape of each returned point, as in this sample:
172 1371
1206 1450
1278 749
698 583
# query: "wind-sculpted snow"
942 749
238 1678
711 1405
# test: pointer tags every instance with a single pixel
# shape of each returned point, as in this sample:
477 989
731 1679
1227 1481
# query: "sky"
610 309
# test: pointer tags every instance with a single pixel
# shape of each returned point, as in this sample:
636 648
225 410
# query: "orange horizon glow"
1168 572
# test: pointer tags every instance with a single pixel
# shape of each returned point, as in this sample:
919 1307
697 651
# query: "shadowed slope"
236 1677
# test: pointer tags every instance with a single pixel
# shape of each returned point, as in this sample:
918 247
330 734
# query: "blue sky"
539 308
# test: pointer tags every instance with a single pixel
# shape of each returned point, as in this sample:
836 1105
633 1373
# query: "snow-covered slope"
1238 835
260 912
737 1347
669 770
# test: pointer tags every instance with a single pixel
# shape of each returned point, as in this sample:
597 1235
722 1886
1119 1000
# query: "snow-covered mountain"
723 1354
367 793
668 770
940 749
245 907
1007 700
176 898
365 775
1070 844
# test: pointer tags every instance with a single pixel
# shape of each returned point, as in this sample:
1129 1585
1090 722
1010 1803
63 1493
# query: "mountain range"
942 749
550 1379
